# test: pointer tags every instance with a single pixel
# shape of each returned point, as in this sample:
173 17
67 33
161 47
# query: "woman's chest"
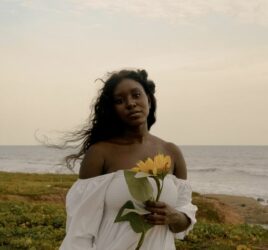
124 157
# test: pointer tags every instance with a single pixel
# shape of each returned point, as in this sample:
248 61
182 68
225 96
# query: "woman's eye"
136 95
118 101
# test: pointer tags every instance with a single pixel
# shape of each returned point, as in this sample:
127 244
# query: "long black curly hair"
103 122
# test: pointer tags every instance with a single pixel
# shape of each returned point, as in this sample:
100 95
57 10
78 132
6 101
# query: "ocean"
234 170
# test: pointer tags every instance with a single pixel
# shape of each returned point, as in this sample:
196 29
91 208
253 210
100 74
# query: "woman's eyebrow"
135 89
122 93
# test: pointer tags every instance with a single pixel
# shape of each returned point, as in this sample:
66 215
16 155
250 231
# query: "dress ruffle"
85 204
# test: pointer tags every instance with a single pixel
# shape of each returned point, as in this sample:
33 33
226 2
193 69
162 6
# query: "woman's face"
131 102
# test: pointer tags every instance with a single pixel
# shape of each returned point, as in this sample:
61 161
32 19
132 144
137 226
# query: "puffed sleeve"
184 204
84 208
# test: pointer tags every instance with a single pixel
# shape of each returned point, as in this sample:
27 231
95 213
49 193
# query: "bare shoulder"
180 170
174 151
157 140
93 162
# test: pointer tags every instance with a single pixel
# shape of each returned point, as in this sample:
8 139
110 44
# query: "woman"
117 139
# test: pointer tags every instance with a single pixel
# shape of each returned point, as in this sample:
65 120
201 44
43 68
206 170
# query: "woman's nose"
131 104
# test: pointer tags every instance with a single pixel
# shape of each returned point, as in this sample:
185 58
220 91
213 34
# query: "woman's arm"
180 220
93 162
180 170
162 213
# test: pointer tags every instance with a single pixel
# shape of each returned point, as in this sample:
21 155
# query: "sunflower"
160 165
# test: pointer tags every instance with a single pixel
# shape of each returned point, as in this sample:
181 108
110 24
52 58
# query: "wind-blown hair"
104 123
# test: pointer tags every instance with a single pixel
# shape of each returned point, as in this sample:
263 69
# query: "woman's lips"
134 114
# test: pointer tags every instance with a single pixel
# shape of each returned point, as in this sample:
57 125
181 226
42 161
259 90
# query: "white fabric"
92 205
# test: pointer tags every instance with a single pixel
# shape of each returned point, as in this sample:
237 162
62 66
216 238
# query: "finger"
155 204
156 222
160 211
160 204
155 217
159 222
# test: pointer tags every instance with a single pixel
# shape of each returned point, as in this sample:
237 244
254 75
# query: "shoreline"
261 200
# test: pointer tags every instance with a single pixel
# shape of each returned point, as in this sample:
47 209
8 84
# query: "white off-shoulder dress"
92 205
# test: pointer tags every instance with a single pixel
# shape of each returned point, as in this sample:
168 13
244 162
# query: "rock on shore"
231 209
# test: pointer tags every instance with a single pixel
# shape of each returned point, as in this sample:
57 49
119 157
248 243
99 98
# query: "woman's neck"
137 135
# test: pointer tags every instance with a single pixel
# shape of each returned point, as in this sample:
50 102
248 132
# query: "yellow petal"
135 169
167 163
155 171
158 161
141 165
144 166
149 165
162 163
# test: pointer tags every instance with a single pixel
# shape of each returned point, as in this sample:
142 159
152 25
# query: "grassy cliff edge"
32 216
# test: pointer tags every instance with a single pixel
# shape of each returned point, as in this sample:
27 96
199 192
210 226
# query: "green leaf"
138 210
137 222
158 185
127 205
142 175
140 188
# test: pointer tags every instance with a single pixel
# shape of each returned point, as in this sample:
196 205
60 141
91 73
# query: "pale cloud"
248 11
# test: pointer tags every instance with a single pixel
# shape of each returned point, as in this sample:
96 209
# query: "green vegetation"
34 185
32 216
217 236
32 212
31 226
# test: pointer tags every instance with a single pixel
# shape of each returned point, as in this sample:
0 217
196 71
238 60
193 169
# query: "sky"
209 62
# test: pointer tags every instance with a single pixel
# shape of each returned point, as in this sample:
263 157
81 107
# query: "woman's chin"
136 122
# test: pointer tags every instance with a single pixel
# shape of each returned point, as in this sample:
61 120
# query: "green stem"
158 188
160 191
140 241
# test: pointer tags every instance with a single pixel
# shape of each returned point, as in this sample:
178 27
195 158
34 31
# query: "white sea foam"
234 170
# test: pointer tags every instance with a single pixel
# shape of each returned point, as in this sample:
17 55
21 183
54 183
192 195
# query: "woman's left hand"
161 213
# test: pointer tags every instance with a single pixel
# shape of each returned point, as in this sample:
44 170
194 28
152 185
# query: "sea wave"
250 172
204 169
